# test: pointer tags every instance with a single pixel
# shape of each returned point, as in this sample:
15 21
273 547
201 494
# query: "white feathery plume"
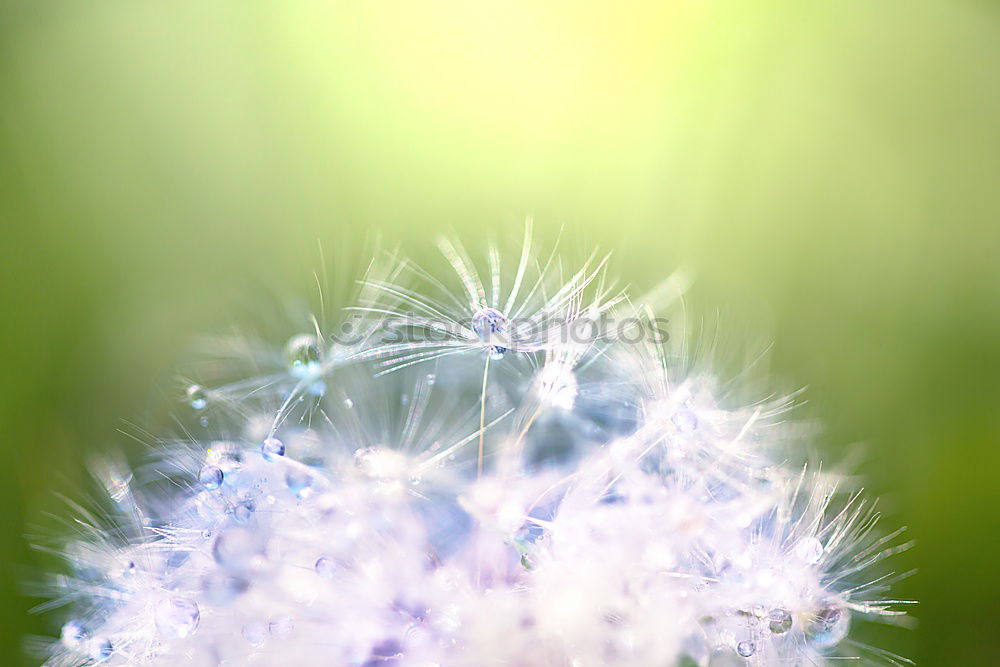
597 503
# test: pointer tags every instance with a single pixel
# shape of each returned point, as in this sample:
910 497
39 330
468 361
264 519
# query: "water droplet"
348 403
243 511
829 625
779 621
176 618
490 325
210 477
299 482
281 627
255 632
303 355
237 547
272 448
746 648
197 398
325 567
101 650
222 589
204 422
685 420
809 550
72 634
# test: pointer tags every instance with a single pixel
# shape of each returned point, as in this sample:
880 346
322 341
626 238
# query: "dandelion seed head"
393 500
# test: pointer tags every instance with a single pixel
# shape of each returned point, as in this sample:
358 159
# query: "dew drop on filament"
490 324
210 477
197 398
779 621
303 356
828 626
809 550
176 618
272 448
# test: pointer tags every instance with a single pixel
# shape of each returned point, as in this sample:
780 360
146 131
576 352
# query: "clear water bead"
220 588
299 482
746 648
243 511
489 325
325 567
72 634
236 548
303 355
197 398
210 477
255 632
685 420
272 448
176 618
779 621
809 550
828 626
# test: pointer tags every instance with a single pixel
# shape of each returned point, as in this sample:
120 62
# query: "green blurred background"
829 170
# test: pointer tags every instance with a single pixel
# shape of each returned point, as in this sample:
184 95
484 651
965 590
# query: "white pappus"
394 501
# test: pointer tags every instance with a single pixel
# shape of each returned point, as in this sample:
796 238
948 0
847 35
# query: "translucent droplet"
685 420
325 567
299 482
779 621
176 618
204 422
281 627
255 632
828 626
242 511
197 398
431 379
809 550
303 355
490 325
101 650
72 634
221 589
272 448
348 403
746 648
237 547
210 477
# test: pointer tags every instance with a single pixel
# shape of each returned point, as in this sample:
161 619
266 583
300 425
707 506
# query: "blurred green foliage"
829 170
